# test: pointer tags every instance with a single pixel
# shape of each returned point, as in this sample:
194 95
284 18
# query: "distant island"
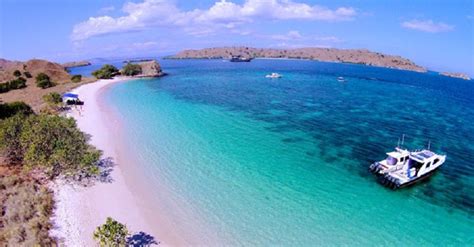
456 75
76 64
356 56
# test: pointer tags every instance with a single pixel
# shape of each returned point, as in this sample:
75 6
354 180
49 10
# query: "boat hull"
390 183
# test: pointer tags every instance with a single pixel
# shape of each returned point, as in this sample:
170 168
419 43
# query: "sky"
435 34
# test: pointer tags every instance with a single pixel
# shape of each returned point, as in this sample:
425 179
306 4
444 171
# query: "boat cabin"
422 162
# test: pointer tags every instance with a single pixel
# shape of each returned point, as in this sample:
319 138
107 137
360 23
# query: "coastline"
79 210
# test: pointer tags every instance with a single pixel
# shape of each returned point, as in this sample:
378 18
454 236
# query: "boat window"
415 164
429 164
391 161
435 161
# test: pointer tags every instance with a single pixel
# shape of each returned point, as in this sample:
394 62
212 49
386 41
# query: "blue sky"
436 34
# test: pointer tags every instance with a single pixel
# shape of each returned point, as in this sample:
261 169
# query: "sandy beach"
79 210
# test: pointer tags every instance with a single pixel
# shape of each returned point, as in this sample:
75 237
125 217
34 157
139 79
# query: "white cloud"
144 45
222 14
427 26
294 35
291 35
106 9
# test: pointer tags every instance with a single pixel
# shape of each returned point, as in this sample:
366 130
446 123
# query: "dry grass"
26 207
33 95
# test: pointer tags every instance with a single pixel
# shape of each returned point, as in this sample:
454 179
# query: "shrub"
106 72
43 81
42 76
17 73
27 74
76 78
10 109
132 69
4 87
53 99
50 143
18 83
112 233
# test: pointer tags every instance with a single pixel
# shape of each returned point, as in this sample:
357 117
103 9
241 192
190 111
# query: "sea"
234 158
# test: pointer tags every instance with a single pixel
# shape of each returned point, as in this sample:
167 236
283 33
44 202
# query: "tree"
112 233
106 72
43 81
132 69
16 73
76 78
56 145
50 143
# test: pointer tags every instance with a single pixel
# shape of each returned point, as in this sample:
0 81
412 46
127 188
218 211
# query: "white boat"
341 79
273 75
395 160
420 165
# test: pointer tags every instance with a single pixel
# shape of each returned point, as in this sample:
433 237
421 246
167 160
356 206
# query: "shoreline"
79 210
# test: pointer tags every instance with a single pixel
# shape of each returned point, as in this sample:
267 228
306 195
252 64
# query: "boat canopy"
397 154
71 95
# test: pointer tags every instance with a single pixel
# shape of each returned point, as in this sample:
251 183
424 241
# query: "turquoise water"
247 160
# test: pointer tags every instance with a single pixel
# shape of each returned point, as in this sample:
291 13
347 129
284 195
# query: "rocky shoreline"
456 75
356 56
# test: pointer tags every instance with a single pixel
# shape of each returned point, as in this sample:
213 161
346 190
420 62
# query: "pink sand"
80 210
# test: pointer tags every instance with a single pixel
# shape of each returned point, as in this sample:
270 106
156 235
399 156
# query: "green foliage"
53 99
18 83
112 233
27 74
42 77
26 210
106 72
17 73
10 109
10 133
131 69
50 143
43 81
76 78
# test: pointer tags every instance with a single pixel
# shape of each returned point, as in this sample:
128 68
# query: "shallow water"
259 161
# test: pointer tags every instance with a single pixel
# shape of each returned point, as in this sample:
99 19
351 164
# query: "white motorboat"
420 165
341 79
273 75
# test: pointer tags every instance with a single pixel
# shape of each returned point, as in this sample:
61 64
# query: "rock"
150 69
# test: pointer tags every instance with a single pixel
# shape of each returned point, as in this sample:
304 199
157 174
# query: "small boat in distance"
240 59
341 79
273 76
